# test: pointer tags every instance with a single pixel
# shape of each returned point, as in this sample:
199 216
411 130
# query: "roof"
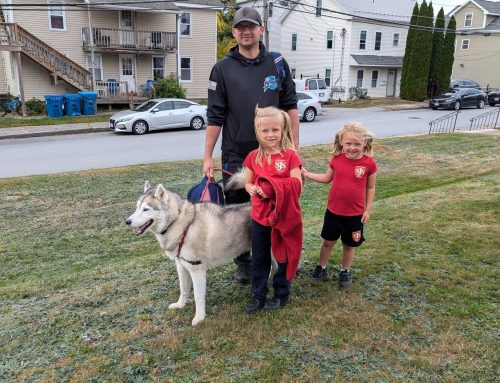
373 60
400 10
159 6
490 7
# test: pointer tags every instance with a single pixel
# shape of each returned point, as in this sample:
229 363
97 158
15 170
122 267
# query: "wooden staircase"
15 38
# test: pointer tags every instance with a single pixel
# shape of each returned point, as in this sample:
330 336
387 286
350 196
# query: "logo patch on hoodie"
270 82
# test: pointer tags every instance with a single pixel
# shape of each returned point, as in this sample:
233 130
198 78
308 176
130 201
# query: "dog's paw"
197 319
177 305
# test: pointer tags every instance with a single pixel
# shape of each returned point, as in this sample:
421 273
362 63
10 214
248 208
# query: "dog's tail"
237 181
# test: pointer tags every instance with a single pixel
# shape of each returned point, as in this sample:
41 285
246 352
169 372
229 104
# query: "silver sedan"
160 113
308 106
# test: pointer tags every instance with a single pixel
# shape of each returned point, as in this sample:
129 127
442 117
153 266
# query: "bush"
169 87
35 107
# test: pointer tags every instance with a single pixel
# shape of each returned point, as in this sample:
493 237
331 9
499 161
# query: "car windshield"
448 94
145 106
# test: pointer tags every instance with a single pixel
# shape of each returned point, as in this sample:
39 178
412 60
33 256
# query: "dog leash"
180 247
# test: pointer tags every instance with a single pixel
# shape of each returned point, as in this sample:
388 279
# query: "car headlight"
126 118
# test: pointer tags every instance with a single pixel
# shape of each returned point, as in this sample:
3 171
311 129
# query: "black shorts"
348 229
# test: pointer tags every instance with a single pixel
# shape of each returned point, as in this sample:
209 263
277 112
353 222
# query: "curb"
47 133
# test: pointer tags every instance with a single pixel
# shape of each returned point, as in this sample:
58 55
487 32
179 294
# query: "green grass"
84 300
11 121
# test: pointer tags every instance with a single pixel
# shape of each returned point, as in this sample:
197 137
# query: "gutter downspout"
177 32
342 34
91 35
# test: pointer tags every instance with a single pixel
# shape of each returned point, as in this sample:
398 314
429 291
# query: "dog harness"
180 247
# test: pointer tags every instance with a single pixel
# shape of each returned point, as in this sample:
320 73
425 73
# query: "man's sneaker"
254 305
275 303
345 278
319 273
242 274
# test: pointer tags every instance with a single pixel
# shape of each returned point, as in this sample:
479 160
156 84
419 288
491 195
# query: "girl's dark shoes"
275 303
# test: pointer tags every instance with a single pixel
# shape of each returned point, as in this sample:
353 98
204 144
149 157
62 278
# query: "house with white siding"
349 43
112 48
477 52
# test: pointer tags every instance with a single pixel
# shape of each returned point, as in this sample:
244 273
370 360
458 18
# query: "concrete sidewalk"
53 130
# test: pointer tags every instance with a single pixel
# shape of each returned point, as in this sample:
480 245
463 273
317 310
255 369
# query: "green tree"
406 73
169 87
225 40
448 53
435 80
423 47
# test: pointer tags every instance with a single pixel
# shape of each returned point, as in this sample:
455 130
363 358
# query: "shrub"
169 87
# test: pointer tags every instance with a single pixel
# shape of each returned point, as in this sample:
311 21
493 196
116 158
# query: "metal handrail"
444 124
485 120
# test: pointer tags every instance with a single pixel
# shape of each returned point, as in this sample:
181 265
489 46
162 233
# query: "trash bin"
54 105
88 102
71 104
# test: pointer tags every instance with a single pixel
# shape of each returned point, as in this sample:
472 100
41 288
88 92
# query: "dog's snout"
128 221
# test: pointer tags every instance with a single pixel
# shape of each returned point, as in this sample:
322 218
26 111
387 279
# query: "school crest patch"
270 82
356 236
359 171
280 165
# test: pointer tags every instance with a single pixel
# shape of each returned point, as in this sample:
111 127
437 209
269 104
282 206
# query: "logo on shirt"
270 82
359 171
356 236
212 85
280 165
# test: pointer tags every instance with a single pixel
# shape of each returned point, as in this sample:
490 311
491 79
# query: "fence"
444 124
486 120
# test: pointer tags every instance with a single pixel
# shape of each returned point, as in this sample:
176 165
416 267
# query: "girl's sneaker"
319 274
345 278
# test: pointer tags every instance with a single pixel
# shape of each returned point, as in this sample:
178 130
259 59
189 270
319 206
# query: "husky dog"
195 236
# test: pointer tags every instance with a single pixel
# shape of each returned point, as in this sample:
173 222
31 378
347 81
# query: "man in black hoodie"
246 77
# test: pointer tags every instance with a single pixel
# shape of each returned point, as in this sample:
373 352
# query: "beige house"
477 52
114 49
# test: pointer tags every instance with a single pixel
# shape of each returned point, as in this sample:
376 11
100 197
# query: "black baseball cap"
247 14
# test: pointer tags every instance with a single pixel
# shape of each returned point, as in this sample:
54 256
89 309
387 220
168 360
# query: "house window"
374 78
362 40
329 40
271 9
293 71
468 20
186 72
319 4
328 74
158 67
97 65
395 40
127 19
294 41
186 24
57 16
465 44
359 81
378 40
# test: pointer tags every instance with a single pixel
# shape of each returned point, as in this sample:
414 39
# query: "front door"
127 71
391 82
127 26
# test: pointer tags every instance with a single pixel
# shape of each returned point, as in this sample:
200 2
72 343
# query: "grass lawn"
11 121
84 300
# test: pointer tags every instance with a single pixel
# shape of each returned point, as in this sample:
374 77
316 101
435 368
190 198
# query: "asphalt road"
56 154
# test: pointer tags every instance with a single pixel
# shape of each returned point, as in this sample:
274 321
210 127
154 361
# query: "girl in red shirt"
350 199
273 180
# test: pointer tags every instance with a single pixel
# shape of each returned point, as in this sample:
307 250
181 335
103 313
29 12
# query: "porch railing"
111 89
444 124
486 120
132 39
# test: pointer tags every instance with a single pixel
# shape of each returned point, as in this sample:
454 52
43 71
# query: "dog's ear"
161 193
146 186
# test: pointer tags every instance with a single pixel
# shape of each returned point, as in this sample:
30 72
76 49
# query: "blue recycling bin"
71 104
54 105
88 102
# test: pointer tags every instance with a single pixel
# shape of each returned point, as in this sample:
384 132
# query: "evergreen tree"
448 53
435 80
423 48
406 77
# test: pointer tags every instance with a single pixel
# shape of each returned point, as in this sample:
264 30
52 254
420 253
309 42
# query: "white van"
316 86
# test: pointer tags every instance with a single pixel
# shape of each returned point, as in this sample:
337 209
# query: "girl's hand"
260 192
365 217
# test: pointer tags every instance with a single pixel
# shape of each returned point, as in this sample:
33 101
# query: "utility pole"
265 20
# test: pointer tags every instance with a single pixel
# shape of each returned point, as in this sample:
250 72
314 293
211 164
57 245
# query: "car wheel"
309 115
434 108
197 123
492 104
481 104
457 105
140 127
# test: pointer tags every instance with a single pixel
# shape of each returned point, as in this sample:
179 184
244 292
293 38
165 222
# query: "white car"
308 106
160 113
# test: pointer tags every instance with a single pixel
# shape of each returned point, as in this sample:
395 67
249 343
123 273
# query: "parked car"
317 86
464 84
459 98
160 113
308 106
494 97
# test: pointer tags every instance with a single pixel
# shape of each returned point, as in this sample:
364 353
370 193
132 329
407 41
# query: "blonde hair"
286 137
359 130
